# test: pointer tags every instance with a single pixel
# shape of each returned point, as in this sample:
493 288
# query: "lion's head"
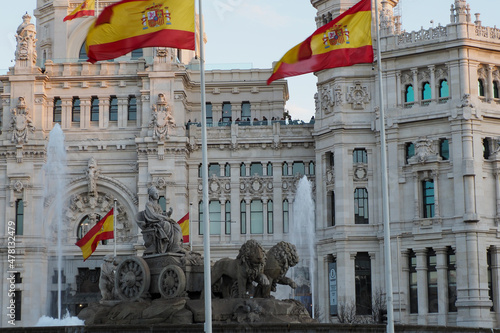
286 254
253 256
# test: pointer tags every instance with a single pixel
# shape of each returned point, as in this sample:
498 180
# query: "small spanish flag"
87 8
345 41
184 223
101 231
133 24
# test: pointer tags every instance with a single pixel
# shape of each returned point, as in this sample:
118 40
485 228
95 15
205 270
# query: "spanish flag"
133 24
87 8
101 231
184 223
345 41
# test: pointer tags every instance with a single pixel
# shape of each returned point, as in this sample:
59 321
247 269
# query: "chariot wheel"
172 282
132 279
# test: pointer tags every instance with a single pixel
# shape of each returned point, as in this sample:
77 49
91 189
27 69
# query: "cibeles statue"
161 233
107 277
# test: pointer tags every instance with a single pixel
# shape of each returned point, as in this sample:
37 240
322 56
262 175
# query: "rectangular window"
227 217
330 158
245 111
132 108
163 203
94 109
452 280
214 217
409 151
285 216
298 168
363 278
428 198
57 111
243 217
18 296
75 110
270 222
113 108
256 169
331 208
360 156
213 169
360 206
208 112
412 263
432 282
256 217
490 277
19 217
444 149
136 54
486 148
226 112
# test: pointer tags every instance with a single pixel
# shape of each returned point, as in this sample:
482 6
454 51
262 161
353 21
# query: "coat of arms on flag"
155 16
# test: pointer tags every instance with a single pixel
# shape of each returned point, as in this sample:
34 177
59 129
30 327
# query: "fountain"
302 229
54 191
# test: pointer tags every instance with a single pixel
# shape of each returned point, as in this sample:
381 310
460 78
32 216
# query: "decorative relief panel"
162 119
256 186
358 96
21 123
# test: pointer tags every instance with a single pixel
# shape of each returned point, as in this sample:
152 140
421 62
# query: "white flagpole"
114 229
96 10
385 186
190 237
206 232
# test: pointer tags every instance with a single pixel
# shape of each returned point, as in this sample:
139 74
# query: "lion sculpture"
280 258
235 276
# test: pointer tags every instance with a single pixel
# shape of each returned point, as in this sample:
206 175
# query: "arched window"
270 215
480 87
227 170
444 90
285 216
243 217
82 55
298 168
361 206
312 168
86 223
495 89
113 108
426 91
269 169
57 110
409 96
243 170
285 169
94 109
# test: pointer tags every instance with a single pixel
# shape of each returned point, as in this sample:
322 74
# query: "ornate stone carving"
162 119
360 173
316 102
26 43
423 151
358 96
107 277
92 174
21 123
337 93
327 101
466 102
482 72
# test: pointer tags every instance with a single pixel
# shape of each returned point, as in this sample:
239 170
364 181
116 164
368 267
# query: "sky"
244 34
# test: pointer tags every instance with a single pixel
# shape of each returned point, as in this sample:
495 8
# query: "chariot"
166 275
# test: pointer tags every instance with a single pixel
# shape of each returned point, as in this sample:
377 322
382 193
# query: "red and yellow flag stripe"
101 231
345 41
132 24
86 8
184 223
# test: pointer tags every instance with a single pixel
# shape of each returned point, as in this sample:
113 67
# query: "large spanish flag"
86 8
132 24
184 223
101 231
345 41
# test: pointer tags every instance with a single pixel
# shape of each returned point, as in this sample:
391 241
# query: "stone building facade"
134 122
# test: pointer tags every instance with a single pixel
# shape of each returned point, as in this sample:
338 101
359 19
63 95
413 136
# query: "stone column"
469 173
416 199
489 84
404 287
122 111
235 199
416 89
67 103
434 88
264 216
423 300
495 267
435 179
442 274
399 101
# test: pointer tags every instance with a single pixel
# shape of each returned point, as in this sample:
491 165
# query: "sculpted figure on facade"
162 118
326 99
358 96
26 40
423 151
92 174
107 277
21 123
161 233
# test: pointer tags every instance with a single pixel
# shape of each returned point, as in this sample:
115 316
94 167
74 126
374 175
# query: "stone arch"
77 37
